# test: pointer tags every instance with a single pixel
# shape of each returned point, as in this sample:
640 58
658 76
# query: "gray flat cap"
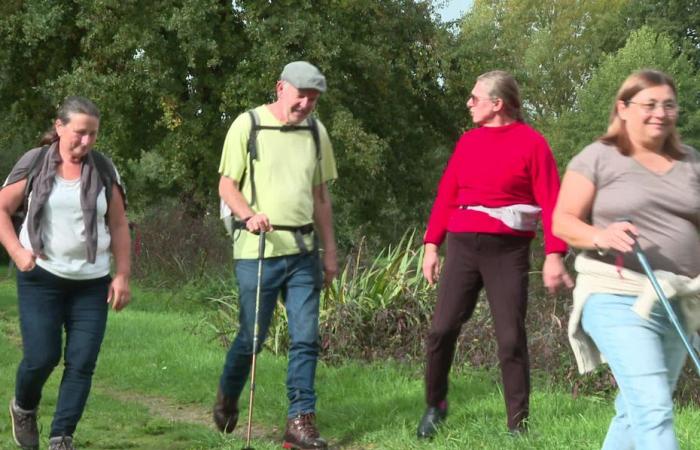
303 75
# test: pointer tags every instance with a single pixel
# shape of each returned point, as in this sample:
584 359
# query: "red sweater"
492 167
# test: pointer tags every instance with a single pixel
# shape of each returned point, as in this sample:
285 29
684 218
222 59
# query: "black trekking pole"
261 256
667 305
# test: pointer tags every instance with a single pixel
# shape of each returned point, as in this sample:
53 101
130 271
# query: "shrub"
380 308
177 247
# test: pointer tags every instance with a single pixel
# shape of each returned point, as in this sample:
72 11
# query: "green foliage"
589 117
37 42
679 19
378 308
176 249
384 105
170 77
158 369
392 275
550 47
383 299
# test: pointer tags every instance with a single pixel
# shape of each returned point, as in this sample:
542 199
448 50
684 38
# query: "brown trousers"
499 263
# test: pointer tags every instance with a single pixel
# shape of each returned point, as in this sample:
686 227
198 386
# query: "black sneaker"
24 429
519 430
61 443
428 426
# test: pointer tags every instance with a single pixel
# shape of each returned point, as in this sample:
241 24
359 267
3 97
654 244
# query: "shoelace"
64 444
306 425
28 420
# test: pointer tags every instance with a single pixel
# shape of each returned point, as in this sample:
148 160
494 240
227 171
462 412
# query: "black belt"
303 229
298 230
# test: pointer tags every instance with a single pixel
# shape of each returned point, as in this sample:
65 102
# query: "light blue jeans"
297 278
646 357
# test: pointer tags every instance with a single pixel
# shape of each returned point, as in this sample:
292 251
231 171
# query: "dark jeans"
499 263
297 279
47 305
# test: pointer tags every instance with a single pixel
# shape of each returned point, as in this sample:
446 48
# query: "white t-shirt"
63 234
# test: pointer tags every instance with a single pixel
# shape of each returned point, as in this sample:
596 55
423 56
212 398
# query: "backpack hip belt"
298 230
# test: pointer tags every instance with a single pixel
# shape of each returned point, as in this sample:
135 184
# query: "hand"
618 236
119 294
257 223
431 263
24 259
554 274
330 266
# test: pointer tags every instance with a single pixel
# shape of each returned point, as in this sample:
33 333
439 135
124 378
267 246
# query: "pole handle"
261 245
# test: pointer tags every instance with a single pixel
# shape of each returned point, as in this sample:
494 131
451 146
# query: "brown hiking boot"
225 412
24 429
302 434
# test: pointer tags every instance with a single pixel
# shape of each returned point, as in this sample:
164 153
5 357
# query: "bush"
174 247
380 308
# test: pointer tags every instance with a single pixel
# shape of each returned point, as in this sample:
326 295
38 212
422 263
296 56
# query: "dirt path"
195 414
162 407
172 411
169 409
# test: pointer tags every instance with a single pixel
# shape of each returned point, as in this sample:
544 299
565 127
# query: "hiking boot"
302 434
428 426
24 429
61 443
225 412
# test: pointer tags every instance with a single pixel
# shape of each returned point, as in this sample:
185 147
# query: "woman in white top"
75 224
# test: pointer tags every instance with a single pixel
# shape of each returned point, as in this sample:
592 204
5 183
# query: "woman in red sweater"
500 177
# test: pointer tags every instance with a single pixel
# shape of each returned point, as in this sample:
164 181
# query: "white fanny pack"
518 217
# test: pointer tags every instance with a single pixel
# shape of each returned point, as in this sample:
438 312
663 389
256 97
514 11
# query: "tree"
25 62
170 76
550 47
385 107
644 49
678 19
152 70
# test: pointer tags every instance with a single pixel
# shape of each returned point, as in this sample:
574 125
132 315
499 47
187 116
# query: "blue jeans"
646 357
297 279
48 304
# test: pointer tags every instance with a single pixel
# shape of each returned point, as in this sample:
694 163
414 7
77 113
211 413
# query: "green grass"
158 371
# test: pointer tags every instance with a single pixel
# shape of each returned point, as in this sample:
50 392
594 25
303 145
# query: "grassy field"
158 371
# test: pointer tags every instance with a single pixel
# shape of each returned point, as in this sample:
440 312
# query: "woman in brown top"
636 182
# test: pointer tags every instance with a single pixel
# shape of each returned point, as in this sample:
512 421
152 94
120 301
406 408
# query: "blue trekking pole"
667 305
261 256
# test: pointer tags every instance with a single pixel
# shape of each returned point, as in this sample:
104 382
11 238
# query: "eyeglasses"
474 99
669 108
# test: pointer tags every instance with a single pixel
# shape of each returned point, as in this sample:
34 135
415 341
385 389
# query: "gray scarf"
90 187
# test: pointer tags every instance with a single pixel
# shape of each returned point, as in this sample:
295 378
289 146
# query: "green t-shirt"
285 173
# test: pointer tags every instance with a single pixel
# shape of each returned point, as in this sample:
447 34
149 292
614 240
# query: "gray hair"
73 104
76 105
502 85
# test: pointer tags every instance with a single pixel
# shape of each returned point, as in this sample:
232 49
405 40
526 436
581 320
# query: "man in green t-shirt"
284 193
